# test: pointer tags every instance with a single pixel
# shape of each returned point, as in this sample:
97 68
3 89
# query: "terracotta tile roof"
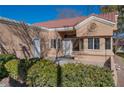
108 16
69 22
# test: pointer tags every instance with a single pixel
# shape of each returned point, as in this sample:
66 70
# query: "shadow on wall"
24 35
108 63
25 51
21 31
3 50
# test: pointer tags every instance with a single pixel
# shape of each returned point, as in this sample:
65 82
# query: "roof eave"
79 25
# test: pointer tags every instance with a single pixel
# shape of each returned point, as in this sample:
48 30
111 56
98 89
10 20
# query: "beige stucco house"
86 38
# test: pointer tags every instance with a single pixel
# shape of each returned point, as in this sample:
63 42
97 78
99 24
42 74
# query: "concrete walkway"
119 64
87 61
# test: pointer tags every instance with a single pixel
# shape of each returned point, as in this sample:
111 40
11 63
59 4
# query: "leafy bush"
6 57
3 59
43 73
77 75
3 72
12 68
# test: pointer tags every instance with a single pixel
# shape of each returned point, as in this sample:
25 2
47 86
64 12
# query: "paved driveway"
119 64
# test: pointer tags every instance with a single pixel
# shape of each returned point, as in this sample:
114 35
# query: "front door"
67 47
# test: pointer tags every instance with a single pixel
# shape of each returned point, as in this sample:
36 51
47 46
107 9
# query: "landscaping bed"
45 73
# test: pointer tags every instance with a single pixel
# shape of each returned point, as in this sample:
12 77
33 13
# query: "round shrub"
12 68
3 59
42 74
77 75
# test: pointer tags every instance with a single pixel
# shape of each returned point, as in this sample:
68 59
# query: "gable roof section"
108 16
96 19
71 22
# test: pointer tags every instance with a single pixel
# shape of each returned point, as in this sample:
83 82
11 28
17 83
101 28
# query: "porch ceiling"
68 34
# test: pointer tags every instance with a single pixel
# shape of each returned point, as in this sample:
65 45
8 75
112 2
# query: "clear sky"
33 14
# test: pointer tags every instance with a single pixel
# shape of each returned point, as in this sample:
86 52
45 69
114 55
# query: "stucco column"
85 43
81 44
102 43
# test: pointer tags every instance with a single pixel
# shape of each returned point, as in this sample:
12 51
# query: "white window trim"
56 43
94 43
81 44
111 47
50 43
99 43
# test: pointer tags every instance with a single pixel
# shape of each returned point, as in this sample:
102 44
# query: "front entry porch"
98 46
71 45
85 48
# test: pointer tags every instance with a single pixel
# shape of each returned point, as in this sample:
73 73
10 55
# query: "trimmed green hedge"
46 73
79 75
42 74
12 68
3 59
